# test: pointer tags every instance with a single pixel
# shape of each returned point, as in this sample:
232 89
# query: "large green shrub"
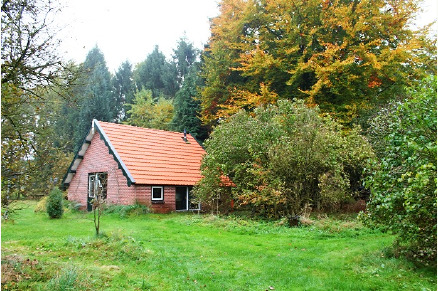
403 182
55 203
284 159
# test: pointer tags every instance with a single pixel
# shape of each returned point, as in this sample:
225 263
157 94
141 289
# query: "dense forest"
299 102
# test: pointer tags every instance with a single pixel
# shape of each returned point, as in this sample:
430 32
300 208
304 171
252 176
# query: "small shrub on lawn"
54 203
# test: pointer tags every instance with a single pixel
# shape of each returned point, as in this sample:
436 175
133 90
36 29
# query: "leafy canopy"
145 112
345 56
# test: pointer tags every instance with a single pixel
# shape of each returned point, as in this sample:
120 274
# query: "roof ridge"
141 128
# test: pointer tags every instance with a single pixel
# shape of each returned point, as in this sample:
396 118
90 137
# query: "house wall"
98 159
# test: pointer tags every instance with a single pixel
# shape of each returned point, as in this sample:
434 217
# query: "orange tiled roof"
155 157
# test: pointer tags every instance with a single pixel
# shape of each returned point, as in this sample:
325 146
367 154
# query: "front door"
181 198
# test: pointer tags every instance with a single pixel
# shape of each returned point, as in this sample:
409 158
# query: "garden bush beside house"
283 160
54 204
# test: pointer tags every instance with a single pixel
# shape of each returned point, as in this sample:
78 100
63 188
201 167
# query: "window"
157 193
97 184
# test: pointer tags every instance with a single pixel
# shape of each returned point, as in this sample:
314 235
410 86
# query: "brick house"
131 164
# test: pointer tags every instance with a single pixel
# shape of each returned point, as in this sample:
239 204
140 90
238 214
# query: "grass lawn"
192 252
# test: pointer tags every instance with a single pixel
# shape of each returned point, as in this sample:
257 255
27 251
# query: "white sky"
129 29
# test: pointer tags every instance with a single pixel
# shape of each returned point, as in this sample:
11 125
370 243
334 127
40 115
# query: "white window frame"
162 193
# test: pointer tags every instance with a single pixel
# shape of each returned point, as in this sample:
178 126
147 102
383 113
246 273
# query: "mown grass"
192 252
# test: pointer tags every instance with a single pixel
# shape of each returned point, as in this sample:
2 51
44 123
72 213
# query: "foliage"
42 205
145 112
127 210
157 75
185 56
283 159
98 100
123 86
404 182
187 107
54 204
32 72
345 56
29 44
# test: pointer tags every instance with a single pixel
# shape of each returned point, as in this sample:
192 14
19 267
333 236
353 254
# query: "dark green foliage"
284 159
187 107
54 203
156 74
99 101
184 56
403 182
123 86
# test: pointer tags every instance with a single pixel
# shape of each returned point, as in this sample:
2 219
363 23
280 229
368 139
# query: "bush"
403 183
283 159
55 203
42 205
127 210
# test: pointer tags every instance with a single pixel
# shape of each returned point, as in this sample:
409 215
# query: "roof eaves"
77 160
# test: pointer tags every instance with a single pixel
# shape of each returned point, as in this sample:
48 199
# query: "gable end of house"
81 152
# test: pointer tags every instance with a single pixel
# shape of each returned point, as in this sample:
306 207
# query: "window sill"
157 201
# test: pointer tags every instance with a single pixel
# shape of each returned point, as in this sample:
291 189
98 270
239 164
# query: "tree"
94 90
184 57
30 69
145 112
187 104
187 107
345 56
157 75
123 86
403 182
284 159
29 45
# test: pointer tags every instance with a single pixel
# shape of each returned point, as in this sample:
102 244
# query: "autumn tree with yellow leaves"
345 56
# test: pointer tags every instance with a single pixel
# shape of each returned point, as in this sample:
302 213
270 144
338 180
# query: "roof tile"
156 157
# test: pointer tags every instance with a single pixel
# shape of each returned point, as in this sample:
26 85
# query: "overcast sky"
129 29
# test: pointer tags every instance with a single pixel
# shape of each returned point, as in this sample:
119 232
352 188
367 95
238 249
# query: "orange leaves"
242 99
374 81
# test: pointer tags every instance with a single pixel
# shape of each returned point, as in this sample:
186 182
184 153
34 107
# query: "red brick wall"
98 159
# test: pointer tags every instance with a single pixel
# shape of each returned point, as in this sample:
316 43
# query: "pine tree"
187 107
156 74
97 98
123 86
184 56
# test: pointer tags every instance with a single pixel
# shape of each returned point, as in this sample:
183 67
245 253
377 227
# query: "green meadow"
198 252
